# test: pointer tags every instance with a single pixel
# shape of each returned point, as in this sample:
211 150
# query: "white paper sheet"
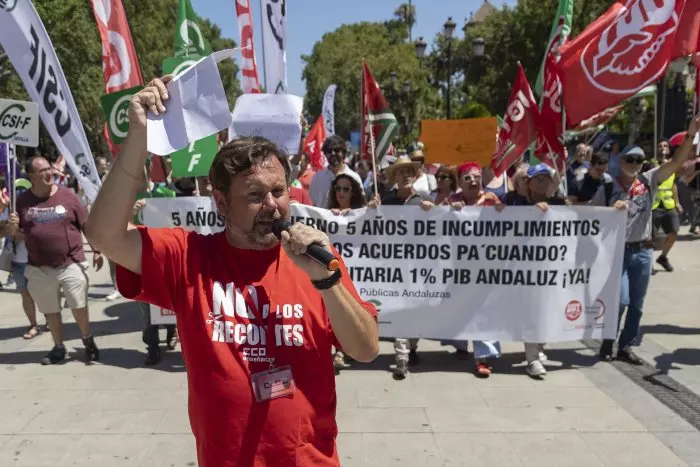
276 117
197 107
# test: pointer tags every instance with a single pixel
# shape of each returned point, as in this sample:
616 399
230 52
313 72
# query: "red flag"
313 143
617 55
549 148
687 40
376 116
600 118
519 127
249 69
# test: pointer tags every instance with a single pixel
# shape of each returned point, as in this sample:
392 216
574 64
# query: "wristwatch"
328 282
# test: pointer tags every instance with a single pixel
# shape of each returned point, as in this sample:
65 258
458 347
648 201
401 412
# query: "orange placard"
452 142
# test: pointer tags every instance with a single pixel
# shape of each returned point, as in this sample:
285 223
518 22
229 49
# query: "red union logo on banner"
249 70
632 51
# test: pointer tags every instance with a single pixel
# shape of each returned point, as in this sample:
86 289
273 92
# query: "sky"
308 20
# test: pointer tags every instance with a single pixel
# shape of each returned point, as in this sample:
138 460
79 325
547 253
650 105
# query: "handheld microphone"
313 251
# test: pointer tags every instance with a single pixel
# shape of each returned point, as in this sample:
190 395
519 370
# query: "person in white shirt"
425 183
335 151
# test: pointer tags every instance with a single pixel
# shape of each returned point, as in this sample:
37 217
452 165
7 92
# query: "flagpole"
374 160
262 31
656 120
13 159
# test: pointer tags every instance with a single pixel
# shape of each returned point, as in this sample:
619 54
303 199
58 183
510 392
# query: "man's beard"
261 234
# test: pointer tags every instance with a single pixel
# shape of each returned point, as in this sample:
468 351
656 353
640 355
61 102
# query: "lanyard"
636 189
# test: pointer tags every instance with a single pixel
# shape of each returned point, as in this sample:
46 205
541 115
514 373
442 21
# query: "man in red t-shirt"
257 320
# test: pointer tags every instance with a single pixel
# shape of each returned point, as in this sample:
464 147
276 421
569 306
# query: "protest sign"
452 142
277 117
116 109
195 160
19 122
518 275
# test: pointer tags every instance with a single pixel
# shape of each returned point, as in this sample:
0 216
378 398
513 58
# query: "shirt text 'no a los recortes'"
235 322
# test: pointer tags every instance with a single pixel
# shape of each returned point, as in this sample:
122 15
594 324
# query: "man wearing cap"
540 179
635 192
425 183
403 174
335 150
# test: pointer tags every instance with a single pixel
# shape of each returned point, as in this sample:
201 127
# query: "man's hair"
600 158
335 142
29 164
240 156
663 140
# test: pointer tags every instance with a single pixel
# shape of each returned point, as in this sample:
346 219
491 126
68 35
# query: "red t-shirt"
300 196
204 280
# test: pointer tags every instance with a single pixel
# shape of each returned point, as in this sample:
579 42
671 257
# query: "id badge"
274 383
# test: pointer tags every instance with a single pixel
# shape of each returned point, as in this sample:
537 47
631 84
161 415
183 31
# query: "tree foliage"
337 58
74 34
511 35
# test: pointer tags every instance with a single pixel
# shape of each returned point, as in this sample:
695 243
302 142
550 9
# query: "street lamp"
406 87
448 31
478 46
420 46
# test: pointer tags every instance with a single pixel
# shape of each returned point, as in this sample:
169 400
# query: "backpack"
608 188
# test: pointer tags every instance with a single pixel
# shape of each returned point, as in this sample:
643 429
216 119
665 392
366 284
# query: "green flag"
189 39
561 28
195 160
116 108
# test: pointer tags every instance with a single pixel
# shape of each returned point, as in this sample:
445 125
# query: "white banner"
29 48
328 110
274 36
518 275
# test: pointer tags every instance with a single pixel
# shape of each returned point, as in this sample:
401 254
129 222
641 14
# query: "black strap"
328 282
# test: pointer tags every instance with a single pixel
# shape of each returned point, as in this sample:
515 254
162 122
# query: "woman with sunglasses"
446 177
345 194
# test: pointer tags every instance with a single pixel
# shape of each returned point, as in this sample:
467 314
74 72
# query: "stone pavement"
118 413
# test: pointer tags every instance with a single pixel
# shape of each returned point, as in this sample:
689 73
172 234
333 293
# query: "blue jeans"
636 271
482 349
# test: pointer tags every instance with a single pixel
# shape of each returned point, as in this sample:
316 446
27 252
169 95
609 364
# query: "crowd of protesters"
49 261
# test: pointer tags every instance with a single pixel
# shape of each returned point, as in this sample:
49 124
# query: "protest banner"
452 142
29 48
274 41
518 275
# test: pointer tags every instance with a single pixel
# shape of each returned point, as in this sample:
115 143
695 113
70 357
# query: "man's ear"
220 200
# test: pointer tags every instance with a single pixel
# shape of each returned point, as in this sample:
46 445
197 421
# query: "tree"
511 35
73 32
337 58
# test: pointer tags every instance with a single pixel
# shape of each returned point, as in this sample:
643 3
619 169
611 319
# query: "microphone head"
278 226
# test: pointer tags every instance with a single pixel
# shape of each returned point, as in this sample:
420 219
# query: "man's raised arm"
108 228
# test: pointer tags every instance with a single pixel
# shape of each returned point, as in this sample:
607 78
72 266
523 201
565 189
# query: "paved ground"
585 413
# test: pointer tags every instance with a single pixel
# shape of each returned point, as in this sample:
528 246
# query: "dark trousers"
150 331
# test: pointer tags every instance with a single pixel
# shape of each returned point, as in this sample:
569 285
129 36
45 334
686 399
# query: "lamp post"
449 30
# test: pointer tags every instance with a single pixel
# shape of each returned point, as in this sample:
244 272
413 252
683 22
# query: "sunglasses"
343 189
633 160
443 177
471 178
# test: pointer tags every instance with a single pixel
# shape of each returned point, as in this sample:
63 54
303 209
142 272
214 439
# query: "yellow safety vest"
664 194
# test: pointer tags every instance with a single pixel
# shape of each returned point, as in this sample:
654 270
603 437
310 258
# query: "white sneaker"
542 356
113 296
535 368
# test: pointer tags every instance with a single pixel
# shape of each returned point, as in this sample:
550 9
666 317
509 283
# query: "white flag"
328 112
24 38
274 35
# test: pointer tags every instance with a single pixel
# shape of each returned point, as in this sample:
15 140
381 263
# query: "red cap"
468 167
